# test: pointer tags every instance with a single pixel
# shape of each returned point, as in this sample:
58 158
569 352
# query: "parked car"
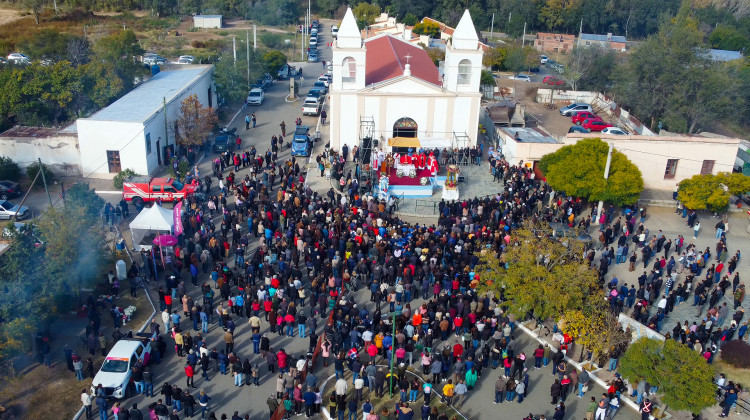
543 59
325 80
8 210
534 69
521 77
317 94
577 129
221 143
552 81
268 80
18 58
301 143
9 189
114 375
580 117
615 130
311 107
255 97
143 189
186 59
312 56
573 108
595 124
321 86
313 40
550 63
154 60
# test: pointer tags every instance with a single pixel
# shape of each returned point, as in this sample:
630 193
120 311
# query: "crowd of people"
286 260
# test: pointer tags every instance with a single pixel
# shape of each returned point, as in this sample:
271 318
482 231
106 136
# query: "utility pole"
523 38
44 180
580 31
606 175
247 48
255 38
234 48
166 133
492 26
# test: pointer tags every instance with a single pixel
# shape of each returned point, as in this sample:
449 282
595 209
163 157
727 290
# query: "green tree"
273 61
436 54
8 169
487 79
195 122
555 13
712 192
366 13
544 276
47 44
428 28
36 7
410 19
682 375
517 58
49 94
578 170
102 83
495 57
80 195
727 37
671 78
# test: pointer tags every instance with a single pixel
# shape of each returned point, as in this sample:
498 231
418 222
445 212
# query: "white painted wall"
58 152
650 154
200 21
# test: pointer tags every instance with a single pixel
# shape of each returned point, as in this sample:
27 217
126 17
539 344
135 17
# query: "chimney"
609 36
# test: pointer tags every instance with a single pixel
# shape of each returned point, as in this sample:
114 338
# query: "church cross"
407 58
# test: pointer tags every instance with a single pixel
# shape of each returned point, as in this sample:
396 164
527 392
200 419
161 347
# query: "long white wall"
59 152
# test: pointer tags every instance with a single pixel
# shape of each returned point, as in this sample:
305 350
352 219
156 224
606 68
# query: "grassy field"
732 373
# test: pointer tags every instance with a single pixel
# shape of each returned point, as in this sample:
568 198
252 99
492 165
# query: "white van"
114 375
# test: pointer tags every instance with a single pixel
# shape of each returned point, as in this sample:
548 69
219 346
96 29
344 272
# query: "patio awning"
404 142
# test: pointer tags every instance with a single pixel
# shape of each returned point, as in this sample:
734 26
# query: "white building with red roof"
385 88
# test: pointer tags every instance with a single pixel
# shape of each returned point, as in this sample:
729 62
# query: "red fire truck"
144 189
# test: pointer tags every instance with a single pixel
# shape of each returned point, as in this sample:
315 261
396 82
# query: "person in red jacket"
189 372
281 360
538 357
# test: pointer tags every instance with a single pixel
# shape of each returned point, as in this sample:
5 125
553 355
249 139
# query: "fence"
424 206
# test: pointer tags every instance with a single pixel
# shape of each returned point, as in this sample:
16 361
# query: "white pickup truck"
114 375
311 106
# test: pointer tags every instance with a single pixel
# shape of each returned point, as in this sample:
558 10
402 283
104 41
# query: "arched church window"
349 70
464 72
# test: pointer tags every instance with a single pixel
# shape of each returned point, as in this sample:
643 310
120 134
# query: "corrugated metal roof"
36 132
144 101
602 38
208 16
724 55
529 135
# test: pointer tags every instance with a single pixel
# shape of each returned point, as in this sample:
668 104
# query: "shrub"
33 169
736 353
121 177
8 169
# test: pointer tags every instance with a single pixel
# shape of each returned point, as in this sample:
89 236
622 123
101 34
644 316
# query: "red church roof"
386 58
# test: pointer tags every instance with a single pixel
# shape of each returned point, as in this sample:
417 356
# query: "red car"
595 124
582 116
550 80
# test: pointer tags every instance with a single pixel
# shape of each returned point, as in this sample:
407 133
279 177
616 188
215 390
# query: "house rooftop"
602 38
207 16
39 132
141 103
724 55
386 59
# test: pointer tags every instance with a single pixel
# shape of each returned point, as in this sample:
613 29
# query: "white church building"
387 93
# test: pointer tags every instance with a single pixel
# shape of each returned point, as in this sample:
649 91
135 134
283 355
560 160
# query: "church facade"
390 91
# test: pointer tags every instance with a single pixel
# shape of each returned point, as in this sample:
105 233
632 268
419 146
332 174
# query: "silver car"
8 210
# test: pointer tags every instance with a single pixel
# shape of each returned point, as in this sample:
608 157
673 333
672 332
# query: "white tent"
151 220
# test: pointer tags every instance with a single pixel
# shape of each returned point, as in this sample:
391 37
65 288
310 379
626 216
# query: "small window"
148 144
349 70
157 188
464 72
169 189
708 167
671 168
